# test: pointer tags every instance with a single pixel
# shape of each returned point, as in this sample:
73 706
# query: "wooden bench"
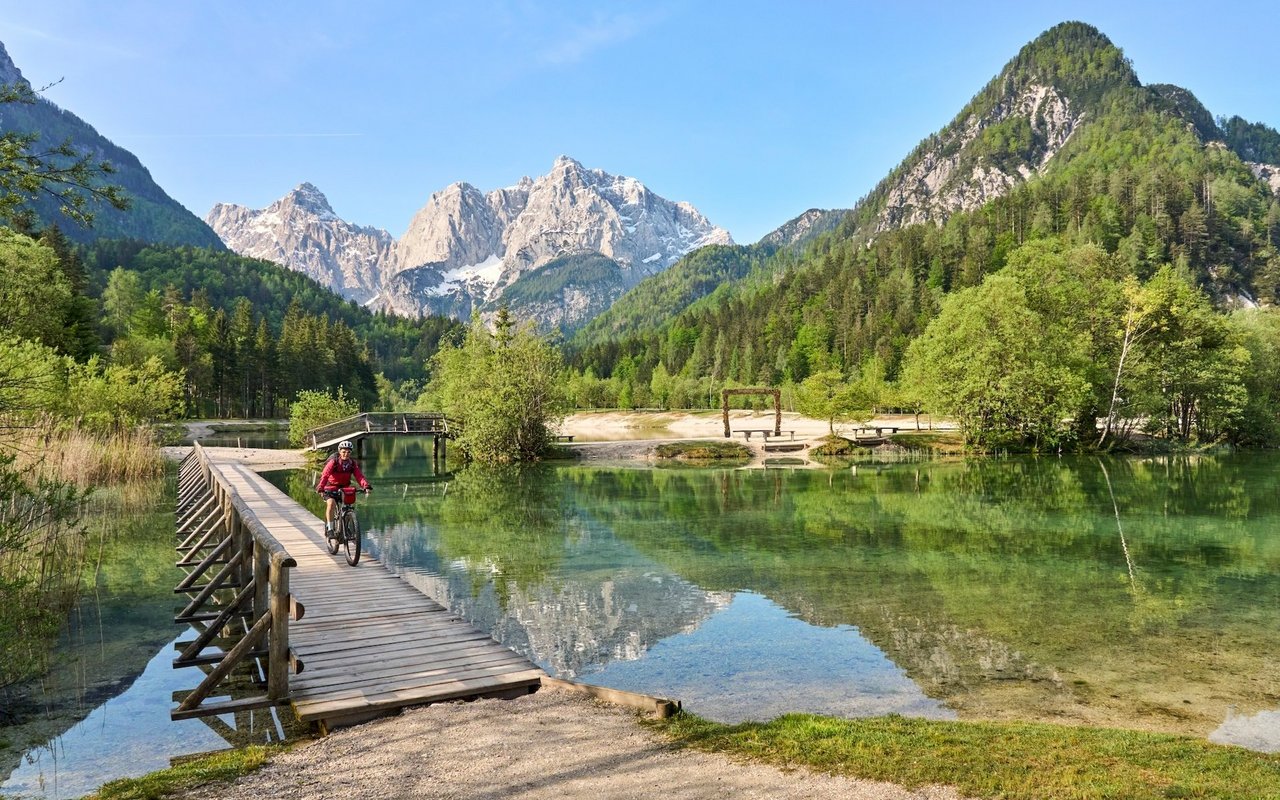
565 437
878 429
766 432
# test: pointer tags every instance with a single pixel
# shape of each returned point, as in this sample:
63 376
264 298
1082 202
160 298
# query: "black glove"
368 489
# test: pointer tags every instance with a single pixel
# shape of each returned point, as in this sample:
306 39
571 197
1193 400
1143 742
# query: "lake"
1124 592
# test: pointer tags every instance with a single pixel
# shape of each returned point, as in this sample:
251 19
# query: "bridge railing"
382 422
254 623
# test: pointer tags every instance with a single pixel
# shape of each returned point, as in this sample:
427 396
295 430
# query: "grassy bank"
703 450
1017 761
191 774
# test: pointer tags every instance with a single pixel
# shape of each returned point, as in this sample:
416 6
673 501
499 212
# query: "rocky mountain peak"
307 198
301 231
9 72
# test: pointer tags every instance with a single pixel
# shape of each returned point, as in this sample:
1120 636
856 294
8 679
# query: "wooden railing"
251 563
426 423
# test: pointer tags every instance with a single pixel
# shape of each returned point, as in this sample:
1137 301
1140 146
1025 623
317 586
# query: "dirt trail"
546 745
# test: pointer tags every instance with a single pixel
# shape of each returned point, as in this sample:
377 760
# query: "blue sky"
751 111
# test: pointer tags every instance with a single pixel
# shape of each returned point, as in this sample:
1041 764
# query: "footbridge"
385 423
278 621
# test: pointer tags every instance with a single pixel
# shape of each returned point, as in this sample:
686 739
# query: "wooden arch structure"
725 394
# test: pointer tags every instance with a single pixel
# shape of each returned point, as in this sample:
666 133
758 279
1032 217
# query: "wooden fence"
244 608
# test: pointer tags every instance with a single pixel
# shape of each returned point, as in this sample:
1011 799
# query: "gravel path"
547 745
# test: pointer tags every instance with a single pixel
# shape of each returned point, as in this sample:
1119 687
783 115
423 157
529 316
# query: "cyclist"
338 472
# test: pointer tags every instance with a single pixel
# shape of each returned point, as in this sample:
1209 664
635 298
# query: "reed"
86 460
48 474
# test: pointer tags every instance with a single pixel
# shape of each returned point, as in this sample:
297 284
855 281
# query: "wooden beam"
658 706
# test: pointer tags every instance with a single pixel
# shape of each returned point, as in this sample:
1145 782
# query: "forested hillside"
1137 178
250 334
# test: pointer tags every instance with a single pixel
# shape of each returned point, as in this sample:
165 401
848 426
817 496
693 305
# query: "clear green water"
103 711
1138 593
1141 593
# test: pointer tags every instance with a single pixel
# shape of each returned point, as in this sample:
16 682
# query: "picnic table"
879 430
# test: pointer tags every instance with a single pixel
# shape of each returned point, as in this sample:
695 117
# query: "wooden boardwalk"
368 642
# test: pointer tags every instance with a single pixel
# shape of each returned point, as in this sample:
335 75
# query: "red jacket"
337 474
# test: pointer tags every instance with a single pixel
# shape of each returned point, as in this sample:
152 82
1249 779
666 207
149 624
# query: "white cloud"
583 40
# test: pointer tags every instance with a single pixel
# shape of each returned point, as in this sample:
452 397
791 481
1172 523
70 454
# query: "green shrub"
313 409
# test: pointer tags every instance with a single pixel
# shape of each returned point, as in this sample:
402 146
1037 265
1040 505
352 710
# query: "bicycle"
346 528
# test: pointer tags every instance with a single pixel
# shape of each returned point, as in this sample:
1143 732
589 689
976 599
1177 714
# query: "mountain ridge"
1012 131
465 249
153 215
1071 145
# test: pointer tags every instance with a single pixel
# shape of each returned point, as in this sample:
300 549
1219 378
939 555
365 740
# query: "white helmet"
346 444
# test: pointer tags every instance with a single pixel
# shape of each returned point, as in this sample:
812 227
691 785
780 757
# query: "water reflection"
754 661
130 735
1135 593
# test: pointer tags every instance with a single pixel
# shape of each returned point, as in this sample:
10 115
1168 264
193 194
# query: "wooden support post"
261 580
278 645
245 549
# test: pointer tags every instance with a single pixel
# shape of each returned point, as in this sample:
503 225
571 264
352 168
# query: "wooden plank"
410 653
428 682
404 622
311 650
658 706
338 679
357 700
226 707
390 615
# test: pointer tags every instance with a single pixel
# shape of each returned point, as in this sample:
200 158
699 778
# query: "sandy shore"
634 435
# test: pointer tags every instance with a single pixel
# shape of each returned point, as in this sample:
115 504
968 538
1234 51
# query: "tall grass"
48 476
86 460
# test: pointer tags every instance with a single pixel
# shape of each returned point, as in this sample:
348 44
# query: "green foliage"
704 451
1191 384
115 397
826 395
66 175
313 409
1252 141
251 334
32 379
506 388
1007 372
1259 331
660 297
547 284
34 290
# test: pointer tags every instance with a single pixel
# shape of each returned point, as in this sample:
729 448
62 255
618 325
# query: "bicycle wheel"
333 537
351 538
